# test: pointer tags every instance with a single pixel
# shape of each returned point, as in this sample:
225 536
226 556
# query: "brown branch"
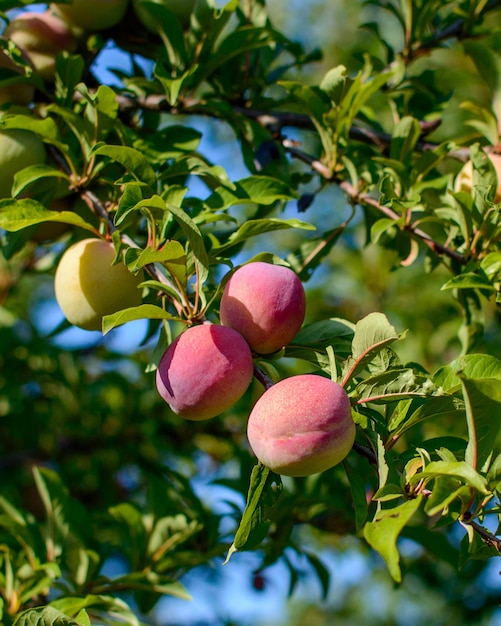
366 452
485 535
357 197
452 31
413 231
263 378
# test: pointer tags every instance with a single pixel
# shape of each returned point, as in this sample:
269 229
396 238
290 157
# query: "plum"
204 371
88 286
302 425
265 303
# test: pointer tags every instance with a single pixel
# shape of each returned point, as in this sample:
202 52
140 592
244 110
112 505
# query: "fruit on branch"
302 425
91 15
41 36
181 8
265 303
204 371
464 180
89 286
16 93
18 149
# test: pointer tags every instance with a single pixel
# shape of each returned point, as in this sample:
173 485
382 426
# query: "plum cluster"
39 37
302 425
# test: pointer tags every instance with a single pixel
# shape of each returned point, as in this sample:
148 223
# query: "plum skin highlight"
265 303
204 371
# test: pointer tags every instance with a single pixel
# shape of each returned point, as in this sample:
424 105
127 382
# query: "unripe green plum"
204 371
92 15
302 425
41 36
88 287
265 303
464 180
21 93
181 8
18 149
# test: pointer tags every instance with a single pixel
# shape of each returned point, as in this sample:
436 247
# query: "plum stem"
263 378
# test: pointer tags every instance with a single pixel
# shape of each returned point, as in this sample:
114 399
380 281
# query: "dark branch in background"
485 535
275 121
453 31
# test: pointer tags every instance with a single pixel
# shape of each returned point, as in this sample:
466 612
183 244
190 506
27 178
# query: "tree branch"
357 197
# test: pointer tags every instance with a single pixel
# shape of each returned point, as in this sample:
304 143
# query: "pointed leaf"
461 470
264 490
18 214
253 228
141 312
382 533
252 190
372 334
134 161
483 416
46 616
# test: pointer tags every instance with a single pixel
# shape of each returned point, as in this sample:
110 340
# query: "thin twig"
485 535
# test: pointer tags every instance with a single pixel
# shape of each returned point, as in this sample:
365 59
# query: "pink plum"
265 303
204 371
302 425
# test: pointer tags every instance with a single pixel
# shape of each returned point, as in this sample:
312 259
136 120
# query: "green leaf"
141 312
241 40
45 616
445 490
173 86
97 604
29 175
264 490
253 228
315 103
66 516
474 366
469 280
18 214
494 474
194 236
372 334
214 175
171 255
382 533
46 129
69 71
131 159
261 190
150 582
437 407
395 384
491 265
461 470
333 82
382 226
404 138
169 30
359 495
170 142
483 416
